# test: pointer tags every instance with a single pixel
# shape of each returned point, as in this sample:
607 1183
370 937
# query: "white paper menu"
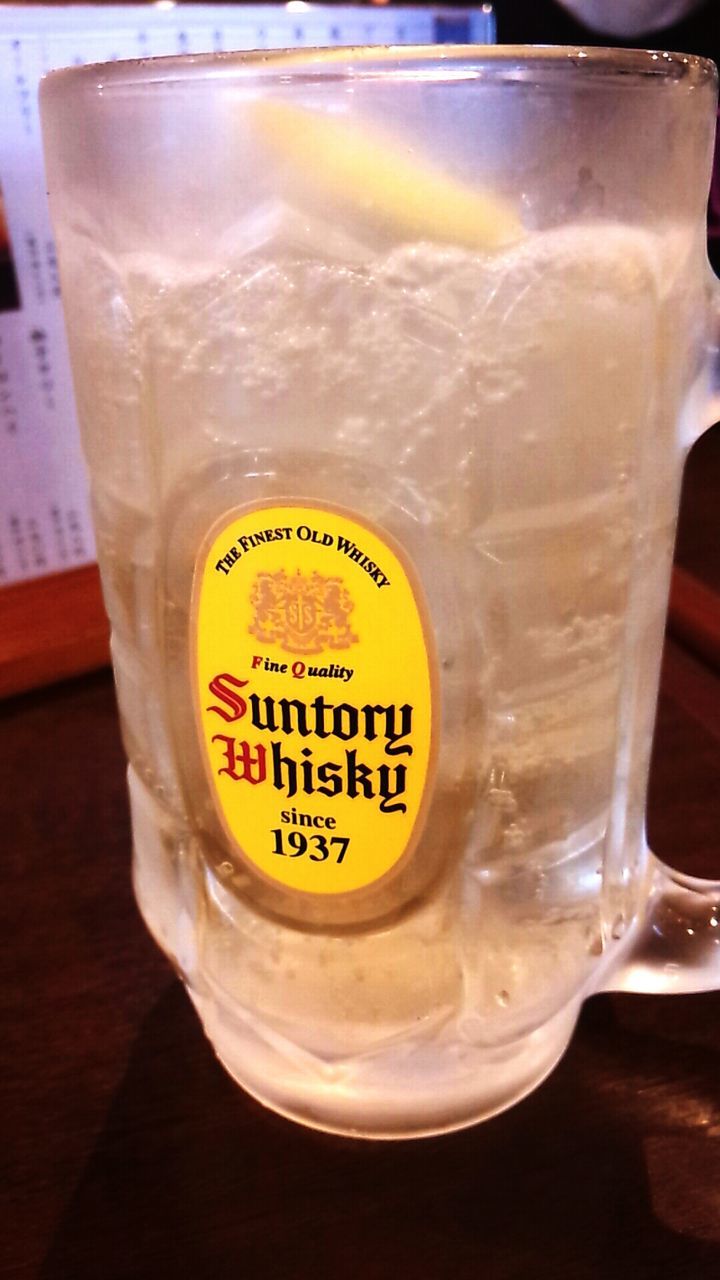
44 514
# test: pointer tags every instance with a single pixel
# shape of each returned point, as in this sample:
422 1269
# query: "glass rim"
449 62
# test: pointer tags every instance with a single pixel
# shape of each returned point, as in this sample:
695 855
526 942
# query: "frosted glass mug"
387 363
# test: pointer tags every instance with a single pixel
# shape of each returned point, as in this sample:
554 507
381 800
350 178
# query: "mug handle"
674 947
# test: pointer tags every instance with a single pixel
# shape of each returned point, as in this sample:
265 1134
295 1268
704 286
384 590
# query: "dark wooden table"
129 1153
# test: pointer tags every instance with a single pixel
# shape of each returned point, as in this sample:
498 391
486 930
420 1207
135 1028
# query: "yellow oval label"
314 695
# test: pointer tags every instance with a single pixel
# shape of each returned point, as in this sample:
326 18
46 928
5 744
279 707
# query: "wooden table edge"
56 626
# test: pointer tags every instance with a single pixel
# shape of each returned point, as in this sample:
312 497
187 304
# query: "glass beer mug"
386 363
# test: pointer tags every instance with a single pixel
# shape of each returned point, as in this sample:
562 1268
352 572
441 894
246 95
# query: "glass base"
428 1076
412 1091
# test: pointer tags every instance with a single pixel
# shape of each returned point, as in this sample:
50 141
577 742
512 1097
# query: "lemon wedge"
382 179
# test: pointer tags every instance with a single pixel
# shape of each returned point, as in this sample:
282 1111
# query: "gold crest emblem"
301 613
